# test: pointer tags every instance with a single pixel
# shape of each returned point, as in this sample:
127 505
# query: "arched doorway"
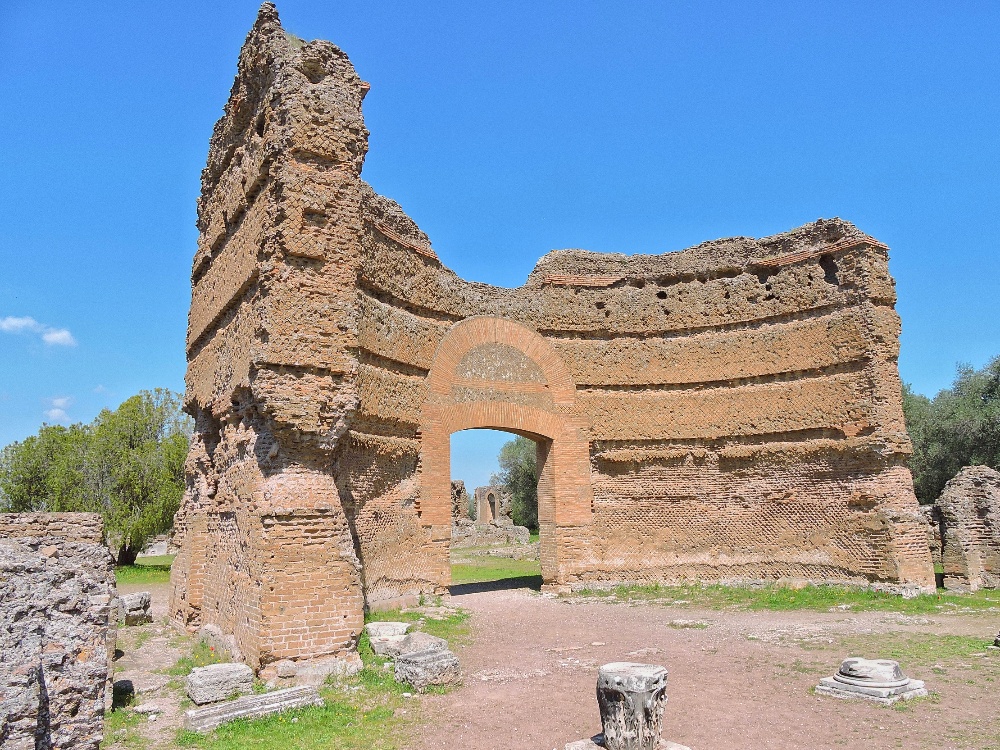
498 374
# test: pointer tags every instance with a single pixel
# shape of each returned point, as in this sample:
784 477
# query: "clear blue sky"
505 129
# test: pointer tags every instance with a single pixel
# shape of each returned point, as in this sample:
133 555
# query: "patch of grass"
453 628
202 654
486 568
146 570
120 730
776 597
533 537
924 650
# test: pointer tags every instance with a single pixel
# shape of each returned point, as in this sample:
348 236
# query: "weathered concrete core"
57 630
730 411
964 531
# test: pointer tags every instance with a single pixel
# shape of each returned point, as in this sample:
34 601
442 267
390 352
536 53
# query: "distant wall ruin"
731 411
964 525
56 630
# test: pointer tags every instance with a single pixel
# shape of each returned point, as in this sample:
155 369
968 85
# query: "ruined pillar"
631 698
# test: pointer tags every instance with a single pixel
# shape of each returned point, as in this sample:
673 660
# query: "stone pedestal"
631 698
878 680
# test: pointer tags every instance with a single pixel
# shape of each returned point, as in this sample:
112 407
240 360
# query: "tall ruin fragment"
964 525
731 411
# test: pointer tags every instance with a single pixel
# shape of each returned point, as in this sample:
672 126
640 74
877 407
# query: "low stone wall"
56 631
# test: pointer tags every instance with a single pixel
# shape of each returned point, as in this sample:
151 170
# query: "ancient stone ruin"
964 529
492 524
492 505
57 630
731 411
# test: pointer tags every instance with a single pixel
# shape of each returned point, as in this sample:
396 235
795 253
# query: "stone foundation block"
253 706
219 682
395 647
428 667
134 609
316 671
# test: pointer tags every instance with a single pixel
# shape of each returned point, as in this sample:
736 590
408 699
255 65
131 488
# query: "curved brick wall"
731 411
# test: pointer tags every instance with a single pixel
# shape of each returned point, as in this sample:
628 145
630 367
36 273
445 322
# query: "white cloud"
59 337
51 336
57 411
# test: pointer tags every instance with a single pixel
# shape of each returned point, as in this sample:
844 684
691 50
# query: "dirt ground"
737 679
741 682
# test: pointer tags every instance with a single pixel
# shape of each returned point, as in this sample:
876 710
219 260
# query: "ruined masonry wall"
967 514
730 411
57 634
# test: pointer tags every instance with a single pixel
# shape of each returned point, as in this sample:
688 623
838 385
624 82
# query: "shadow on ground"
504 584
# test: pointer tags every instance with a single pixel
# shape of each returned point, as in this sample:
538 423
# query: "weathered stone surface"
208 718
879 680
316 671
218 682
631 698
395 646
386 629
134 609
459 500
57 631
964 525
428 667
729 411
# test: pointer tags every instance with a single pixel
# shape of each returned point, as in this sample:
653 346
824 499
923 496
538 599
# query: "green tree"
519 475
44 472
127 465
959 427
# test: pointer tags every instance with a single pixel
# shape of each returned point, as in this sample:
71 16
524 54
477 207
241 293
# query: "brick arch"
565 493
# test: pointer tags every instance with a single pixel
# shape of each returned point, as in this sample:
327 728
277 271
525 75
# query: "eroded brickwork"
965 526
57 632
731 411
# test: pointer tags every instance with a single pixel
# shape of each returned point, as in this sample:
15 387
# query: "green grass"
533 537
146 570
202 654
120 727
454 628
924 650
482 569
817 598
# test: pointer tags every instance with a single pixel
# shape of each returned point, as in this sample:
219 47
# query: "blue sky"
506 130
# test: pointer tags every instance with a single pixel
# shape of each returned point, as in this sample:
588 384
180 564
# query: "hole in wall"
661 295
829 266
599 305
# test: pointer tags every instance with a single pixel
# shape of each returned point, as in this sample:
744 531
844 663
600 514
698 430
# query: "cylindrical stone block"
631 698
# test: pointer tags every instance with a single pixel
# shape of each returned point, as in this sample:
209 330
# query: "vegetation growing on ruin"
777 597
959 427
127 465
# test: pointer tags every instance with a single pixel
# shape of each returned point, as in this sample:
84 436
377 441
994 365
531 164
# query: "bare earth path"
741 682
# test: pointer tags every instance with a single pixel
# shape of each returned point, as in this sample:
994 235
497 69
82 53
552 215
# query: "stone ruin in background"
57 631
727 412
964 529
492 524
